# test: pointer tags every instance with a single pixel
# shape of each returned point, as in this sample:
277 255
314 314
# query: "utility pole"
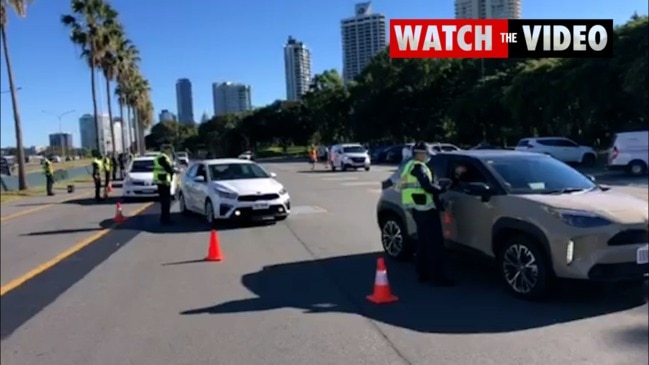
60 118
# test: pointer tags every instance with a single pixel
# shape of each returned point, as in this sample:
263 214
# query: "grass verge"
274 151
9 196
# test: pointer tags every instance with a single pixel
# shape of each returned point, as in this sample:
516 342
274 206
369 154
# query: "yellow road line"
65 254
39 208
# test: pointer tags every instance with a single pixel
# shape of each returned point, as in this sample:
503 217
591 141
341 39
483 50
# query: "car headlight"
283 192
579 218
345 158
225 194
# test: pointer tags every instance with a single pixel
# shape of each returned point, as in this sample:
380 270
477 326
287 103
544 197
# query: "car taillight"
614 153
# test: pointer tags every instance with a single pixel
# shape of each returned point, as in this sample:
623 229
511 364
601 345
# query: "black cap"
420 147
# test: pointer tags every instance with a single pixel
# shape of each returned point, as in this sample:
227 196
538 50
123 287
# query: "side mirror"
199 179
444 183
591 177
273 175
478 189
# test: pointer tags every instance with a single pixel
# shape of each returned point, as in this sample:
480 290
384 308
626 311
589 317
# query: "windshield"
538 175
236 171
353 149
142 166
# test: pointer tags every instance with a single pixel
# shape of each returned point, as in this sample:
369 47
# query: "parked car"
537 217
349 156
563 149
138 182
392 155
182 158
444 147
247 155
629 152
226 189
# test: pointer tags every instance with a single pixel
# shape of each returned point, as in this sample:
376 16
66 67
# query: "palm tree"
91 25
127 58
108 65
20 7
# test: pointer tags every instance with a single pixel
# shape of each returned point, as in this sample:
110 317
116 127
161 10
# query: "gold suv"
539 218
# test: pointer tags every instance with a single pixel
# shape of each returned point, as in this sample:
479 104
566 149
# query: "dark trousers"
430 258
164 194
107 177
114 171
49 184
97 181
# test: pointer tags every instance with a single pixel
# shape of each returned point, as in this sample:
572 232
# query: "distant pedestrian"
163 172
97 170
48 171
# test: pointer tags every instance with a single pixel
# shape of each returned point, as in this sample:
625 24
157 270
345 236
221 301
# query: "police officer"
420 193
114 164
97 170
163 171
107 162
48 171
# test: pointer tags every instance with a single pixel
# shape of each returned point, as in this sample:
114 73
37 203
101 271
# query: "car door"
187 186
200 189
467 219
570 150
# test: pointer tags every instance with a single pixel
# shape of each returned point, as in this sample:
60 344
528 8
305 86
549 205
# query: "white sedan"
223 189
138 182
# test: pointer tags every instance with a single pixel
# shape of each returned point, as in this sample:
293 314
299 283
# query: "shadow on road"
476 305
65 231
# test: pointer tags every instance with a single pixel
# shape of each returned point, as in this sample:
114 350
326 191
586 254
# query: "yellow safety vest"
100 164
108 164
160 175
47 167
413 196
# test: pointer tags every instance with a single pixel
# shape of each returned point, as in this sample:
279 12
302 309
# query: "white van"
629 152
349 155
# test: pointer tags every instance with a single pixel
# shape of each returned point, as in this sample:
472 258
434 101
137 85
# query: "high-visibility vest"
99 163
108 164
160 175
47 167
412 191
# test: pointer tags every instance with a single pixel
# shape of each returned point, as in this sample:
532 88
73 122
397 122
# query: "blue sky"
207 41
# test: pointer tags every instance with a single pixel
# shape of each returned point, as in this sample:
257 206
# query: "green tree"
20 8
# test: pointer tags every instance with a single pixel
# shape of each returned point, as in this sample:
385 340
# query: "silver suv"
539 219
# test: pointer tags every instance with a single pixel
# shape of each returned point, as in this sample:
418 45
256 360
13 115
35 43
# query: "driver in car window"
460 175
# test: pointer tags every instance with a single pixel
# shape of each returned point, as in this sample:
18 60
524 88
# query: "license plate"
642 256
260 206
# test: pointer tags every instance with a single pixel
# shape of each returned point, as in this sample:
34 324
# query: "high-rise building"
205 117
166 116
231 98
363 36
297 66
185 101
88 132
61 142
487 9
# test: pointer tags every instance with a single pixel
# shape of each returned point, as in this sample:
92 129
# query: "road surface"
289 293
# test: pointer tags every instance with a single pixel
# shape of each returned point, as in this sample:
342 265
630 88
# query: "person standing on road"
419 193
107 168
122 164
114 164
163 176
313 155
97 170
48 171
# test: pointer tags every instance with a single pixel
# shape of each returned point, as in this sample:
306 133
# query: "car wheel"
588 159
181 204
209 213
636 168
524 268
394 238
367 168
343 167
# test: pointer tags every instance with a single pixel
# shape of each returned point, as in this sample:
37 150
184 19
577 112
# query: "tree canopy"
453 100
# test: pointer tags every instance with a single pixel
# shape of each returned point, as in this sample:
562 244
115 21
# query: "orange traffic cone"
214 249
119 217
382 293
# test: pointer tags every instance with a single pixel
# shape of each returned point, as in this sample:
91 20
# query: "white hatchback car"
138 182
224 189
563 149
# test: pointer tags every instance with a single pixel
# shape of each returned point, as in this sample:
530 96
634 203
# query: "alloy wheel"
209 213
392 238
520 268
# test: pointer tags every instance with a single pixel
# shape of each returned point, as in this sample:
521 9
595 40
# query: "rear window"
142 166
